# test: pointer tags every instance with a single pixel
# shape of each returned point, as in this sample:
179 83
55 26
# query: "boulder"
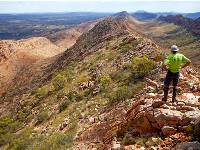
116 145
142 123
167 130
187 146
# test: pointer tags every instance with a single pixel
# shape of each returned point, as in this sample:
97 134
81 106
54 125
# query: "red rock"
167 117
152 83
157 104
167 130
142 123
130 147
150 116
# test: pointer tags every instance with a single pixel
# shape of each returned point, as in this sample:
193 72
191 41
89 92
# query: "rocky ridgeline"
143 47
147 123
96 38
89 42
175 123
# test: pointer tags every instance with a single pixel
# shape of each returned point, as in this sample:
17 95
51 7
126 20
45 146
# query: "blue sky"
36 6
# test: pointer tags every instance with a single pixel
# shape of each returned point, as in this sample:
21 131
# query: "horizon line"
103 12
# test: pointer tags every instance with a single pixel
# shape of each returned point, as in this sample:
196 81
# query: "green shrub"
142 67
21 116
19 145
128 45
61 94
7 127
6 138
58 141
59 82
68 74
42 116
55 141
75 96
125 92
121 75
22 140
64 105
104 80
41 93
120 94
7 124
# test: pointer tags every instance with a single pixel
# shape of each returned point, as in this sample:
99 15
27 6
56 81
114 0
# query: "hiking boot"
164 99
174 100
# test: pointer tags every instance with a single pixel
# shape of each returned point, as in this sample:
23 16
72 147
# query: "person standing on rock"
173 64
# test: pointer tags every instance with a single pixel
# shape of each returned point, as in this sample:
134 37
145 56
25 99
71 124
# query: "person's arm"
186 62
164 67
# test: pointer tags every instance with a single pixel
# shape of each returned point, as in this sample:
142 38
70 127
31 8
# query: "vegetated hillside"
56 101
189 24
18 54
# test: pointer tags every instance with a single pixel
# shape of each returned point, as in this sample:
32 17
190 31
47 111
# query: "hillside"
187 23
66 38
101 93
18 54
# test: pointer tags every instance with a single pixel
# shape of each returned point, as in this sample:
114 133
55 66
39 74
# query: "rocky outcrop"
149 115
153 116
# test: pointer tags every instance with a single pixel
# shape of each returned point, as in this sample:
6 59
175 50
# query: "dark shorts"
174 77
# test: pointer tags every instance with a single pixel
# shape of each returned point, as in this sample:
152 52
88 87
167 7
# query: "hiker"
174 63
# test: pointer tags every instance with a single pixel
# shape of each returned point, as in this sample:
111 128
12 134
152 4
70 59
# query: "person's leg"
175 83
167 81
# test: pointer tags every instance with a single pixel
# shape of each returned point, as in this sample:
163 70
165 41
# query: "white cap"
174 48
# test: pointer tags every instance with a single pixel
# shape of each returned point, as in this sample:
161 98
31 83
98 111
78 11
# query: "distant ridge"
191 25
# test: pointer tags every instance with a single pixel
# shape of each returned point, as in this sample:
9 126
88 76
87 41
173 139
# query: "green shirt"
174 62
